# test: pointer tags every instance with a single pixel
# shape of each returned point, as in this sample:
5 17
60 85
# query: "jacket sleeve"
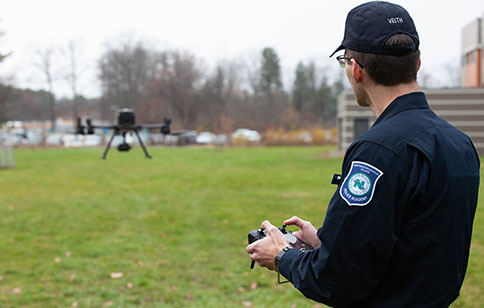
356 241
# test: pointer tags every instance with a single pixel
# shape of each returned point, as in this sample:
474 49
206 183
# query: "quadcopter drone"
126 123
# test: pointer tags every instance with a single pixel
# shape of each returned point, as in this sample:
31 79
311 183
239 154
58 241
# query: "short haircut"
389 70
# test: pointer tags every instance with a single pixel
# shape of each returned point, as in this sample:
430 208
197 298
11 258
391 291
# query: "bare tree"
219 95
178 80
124 71
74 69
452 74
45 65
424 78
5 89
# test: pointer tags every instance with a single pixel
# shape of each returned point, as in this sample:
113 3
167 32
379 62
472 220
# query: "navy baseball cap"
370 25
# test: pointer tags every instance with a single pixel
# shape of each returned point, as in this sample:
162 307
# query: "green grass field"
175 226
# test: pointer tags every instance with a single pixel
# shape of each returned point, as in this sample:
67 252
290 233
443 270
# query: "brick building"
472 64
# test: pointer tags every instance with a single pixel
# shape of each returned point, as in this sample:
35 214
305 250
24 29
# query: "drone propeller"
165 128
79 127
90 127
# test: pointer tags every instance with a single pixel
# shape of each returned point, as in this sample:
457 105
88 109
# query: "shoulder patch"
359 185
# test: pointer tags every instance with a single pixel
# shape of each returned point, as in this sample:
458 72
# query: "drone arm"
164 128
149 126
103 126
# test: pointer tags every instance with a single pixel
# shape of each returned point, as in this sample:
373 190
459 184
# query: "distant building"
463 108
472 64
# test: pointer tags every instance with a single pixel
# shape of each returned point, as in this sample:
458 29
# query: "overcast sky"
213 30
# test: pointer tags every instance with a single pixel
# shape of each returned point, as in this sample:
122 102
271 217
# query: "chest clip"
336 179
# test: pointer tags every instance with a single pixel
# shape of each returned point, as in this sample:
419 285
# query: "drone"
126 123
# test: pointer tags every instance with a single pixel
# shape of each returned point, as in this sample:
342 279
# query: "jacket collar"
414 100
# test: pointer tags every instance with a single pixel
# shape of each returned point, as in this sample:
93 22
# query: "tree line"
177 84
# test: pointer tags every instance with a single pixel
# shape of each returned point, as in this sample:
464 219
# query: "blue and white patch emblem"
359 185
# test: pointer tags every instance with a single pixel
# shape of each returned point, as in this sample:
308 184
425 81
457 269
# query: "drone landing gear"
124 147
142 145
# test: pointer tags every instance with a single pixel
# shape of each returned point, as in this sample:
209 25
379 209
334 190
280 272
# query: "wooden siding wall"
463 108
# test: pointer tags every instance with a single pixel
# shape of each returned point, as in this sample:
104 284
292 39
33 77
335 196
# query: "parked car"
33 137
71 140
9 139
246 134
54 139
221 139
157 138
92 140
187 137
206 138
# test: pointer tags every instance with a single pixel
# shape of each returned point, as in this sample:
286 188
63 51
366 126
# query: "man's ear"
419 63
356 70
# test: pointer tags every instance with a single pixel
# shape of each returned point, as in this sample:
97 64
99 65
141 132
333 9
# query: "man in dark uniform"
397 231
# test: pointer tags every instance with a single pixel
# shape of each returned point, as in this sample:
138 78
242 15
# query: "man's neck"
381 96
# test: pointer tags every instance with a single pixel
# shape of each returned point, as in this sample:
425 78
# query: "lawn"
78 231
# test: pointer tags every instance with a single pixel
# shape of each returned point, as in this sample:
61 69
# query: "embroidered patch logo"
359 185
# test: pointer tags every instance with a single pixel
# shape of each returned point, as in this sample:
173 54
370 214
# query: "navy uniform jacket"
397 231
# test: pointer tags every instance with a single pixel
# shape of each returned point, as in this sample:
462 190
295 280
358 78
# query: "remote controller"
294 242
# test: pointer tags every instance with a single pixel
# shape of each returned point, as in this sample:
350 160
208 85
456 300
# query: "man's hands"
264 251
308 232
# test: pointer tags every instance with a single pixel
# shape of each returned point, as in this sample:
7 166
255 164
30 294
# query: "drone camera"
124 147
